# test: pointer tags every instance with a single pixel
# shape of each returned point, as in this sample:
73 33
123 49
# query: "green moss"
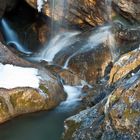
72 127
3 107
44 89
131 114
29 102
114 99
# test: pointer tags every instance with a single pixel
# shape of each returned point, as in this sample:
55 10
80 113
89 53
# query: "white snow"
40 4
14 76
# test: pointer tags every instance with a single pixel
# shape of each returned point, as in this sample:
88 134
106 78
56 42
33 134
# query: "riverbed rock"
17 101
126 64
127 37
8 57
20 100
128 9
115 117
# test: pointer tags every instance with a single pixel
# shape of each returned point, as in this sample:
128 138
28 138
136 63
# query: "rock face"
82 58
6 5
127 63
84 13
128 8
17 101
117 115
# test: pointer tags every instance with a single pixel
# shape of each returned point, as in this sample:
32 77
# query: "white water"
73 98
12 38
57 44
14 76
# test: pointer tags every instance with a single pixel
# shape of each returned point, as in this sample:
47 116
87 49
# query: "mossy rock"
26 100
4 111
72 127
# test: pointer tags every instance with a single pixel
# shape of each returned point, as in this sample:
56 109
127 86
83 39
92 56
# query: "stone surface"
114 118
84 13
17 101
22 100
117 115
84 55
128 8
126 64
8 57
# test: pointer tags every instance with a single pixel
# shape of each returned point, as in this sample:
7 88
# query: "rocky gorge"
55 53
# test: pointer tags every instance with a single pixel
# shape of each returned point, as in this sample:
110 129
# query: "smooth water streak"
58 43
12 38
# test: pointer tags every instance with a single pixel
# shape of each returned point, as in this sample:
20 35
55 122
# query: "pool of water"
35 126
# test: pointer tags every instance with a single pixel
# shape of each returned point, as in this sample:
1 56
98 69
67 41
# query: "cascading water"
111 38
58 43
108 5
11 37
57 19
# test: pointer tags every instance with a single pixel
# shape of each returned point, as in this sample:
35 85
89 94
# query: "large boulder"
115 117
126 64
128 9
16 97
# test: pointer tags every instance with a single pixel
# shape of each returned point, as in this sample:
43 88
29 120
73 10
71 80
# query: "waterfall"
111 39
108 5
58 11
55 45
12 38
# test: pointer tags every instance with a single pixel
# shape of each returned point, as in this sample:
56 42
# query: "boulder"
19 99
127 37
114 117
127 63
8 57
82 57
113 110
128 9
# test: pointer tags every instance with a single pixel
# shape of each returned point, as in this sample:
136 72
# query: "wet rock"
128 8
115 117
70 78
127 37
17 101
26 99
126 64
8 57
83 13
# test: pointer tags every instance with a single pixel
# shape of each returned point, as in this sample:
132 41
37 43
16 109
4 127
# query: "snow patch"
15 76
40 4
